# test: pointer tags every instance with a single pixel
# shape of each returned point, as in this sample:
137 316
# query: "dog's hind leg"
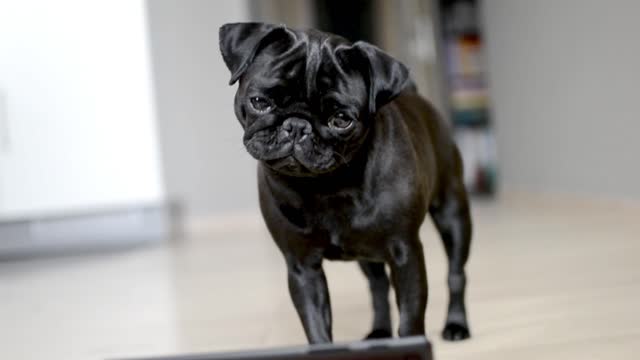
452 218
379 287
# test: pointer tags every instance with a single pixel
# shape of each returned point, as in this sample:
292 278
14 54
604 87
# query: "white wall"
205 165
565 81
78 129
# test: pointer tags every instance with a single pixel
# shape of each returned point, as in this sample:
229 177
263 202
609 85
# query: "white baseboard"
84 232
523 194
213 223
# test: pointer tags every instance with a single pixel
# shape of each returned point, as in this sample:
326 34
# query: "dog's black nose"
297 128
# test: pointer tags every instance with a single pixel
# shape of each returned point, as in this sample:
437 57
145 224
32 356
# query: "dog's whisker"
342 158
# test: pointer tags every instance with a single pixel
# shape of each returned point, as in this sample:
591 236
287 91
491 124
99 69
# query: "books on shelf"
464 53
478 150
468 96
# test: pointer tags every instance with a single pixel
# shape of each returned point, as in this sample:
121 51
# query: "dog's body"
351 161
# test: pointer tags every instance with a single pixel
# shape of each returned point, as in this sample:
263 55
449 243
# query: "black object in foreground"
409 348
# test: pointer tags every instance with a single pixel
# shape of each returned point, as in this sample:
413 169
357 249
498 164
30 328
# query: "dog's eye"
260 104
340 121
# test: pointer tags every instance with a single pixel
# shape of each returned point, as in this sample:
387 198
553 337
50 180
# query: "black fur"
359 192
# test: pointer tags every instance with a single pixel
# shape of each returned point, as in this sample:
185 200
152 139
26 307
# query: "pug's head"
306 99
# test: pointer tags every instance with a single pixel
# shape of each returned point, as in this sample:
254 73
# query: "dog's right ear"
386 76
240 42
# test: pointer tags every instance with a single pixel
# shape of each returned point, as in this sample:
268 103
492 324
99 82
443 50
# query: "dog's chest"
345 225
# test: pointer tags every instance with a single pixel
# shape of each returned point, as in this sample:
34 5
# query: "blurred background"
129 220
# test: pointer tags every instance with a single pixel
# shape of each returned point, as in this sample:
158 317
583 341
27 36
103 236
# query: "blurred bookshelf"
465 92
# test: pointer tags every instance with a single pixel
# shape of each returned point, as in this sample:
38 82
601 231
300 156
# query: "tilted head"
306 99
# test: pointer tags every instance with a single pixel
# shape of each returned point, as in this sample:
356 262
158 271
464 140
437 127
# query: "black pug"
351 159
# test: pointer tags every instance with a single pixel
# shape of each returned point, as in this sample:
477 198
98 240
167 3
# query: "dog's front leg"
409 278
310 295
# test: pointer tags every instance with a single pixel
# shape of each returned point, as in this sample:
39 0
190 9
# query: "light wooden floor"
548 280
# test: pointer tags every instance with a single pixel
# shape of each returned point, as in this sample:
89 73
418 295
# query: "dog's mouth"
296 162
280 157
289 165
304 157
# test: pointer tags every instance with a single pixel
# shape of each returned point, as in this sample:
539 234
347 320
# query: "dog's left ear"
387 76
240 42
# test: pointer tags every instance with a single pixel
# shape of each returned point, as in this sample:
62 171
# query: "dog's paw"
455 332
378 334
